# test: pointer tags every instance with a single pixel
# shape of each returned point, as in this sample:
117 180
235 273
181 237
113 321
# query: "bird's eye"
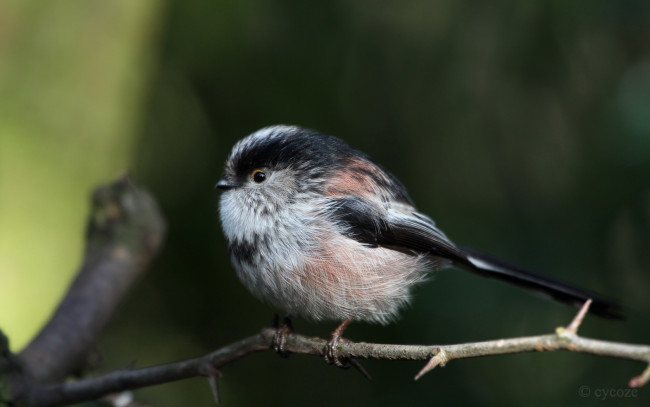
259 176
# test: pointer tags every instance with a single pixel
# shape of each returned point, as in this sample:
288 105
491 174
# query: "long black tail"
488 266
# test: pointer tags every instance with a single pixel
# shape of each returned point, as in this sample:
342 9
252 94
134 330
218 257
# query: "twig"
125 231
93 388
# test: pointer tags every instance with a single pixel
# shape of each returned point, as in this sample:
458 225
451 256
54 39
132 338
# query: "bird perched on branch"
322 231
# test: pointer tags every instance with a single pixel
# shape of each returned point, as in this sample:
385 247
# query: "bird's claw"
280 338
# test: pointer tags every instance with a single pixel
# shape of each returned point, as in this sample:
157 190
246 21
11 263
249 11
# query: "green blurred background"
523 128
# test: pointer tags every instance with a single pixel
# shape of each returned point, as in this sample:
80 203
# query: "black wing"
414 233
361 220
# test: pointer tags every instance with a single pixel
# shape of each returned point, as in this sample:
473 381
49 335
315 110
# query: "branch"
209 365
124 232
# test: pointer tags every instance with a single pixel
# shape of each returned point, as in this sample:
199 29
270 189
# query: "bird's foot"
280 338
331 354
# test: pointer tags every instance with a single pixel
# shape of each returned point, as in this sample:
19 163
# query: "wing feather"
413 232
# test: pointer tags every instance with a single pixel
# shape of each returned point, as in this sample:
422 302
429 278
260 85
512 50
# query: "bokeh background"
523 128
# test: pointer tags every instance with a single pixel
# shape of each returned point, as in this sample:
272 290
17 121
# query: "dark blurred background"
523 128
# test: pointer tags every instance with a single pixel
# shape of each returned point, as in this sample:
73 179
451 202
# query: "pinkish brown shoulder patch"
353 179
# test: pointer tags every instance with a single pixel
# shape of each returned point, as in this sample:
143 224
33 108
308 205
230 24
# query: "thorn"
212 373
440 358
642 379
577 320
355 363
214 386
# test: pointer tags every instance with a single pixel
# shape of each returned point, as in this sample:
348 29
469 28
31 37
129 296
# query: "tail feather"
488 266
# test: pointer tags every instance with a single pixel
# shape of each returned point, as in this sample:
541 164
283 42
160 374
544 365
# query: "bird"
319 229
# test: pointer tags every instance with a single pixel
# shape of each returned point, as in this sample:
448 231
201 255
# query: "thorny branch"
124 234
209 365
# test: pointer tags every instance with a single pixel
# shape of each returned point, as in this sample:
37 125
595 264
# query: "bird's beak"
225 184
